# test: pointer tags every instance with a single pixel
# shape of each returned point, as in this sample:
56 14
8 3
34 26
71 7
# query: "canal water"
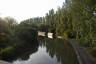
49 51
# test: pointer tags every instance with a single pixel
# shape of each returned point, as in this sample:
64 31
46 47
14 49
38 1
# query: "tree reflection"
30 50
61 49
58 48
22 52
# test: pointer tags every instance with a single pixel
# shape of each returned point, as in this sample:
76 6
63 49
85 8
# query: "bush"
69 34
6 50
92 52
65 35
87 42
27 34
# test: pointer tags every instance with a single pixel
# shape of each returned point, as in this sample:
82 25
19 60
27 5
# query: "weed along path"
83 56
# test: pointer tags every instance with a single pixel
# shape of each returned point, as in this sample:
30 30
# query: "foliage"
27 34
75 19
14 36
92 51
6 50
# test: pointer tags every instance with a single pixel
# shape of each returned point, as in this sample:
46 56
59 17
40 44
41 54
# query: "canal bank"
83 56
4 62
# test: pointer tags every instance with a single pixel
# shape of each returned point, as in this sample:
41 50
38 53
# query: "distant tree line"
75 19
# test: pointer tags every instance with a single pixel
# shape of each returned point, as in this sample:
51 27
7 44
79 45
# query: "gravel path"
83 56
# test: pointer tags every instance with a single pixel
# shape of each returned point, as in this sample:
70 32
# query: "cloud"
23 9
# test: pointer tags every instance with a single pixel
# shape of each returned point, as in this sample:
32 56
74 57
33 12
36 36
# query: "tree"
12 24
4 33
50 20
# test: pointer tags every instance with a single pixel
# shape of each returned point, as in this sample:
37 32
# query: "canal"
49 51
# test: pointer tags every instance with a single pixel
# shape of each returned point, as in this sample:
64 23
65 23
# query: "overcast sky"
24 9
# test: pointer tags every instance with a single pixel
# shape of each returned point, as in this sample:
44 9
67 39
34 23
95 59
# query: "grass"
6 50
92 51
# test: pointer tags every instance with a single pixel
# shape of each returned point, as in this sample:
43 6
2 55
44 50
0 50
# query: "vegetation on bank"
14 38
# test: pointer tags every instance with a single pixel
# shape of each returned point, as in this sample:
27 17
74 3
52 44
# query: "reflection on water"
51 51
20 52
40 57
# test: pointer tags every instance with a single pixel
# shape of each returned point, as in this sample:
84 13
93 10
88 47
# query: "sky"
24 9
